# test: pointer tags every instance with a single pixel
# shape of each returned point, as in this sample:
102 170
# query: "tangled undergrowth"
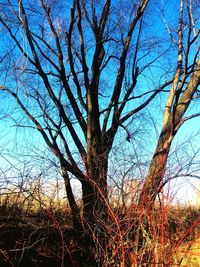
168 236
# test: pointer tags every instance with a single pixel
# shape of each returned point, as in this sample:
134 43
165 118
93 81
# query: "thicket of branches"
80 72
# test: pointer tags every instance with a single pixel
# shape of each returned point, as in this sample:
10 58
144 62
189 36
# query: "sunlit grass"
188 255
170 233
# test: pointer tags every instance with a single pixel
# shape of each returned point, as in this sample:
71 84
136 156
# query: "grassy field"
40 236
188 255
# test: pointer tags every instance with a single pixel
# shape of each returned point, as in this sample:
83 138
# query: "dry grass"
42 232
188 254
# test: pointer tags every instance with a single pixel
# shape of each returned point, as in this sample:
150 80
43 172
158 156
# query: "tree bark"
94 189
155 175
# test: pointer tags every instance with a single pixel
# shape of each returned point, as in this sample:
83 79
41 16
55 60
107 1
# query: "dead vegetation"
45 237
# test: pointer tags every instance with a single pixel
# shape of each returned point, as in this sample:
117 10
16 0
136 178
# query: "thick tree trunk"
95 186
154 180
95 191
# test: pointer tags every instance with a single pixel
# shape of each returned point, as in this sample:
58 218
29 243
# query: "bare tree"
66 88
184 89
73 82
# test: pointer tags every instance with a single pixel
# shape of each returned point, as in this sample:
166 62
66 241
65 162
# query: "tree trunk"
95 191
75 211
176 106
154 180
